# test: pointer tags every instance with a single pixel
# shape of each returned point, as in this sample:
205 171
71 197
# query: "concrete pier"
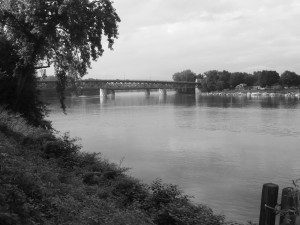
163 91
103 92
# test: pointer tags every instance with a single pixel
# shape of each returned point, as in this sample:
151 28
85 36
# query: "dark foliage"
241 78
267 78
216 80
289 79
10 74
185 76
219 80
38 34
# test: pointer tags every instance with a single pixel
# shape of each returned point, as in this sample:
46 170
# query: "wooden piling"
268 198
287 202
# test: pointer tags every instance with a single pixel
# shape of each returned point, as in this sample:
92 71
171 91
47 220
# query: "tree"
185 76
267 77
251 79
64 33
9 86
215 80
237 78
209 83
289 79
224 80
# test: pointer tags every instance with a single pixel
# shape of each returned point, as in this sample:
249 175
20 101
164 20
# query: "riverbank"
285 93
46 179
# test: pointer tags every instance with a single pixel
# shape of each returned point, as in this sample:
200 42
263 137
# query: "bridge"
109 87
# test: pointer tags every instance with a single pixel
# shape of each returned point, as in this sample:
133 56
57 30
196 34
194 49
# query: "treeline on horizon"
215 80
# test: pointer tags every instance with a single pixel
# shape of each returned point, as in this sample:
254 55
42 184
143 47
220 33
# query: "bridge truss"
123 84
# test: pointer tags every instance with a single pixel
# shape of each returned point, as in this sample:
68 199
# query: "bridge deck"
129 81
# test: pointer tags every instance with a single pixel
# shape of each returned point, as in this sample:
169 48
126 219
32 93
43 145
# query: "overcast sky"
161 37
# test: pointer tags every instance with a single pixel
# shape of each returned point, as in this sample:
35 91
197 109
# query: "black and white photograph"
150 112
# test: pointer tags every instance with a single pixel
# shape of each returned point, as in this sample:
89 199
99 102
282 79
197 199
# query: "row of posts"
269 207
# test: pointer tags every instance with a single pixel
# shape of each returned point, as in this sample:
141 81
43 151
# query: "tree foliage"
185 76
289 79
267 78
237 78
215 80
64 33
9 87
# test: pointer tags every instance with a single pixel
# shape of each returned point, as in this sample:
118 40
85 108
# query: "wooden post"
287 202
268 198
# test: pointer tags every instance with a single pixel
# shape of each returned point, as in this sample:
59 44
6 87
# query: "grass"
45 179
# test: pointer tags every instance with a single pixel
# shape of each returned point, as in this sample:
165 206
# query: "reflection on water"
218 149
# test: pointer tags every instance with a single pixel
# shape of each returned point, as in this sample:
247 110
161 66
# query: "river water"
221 150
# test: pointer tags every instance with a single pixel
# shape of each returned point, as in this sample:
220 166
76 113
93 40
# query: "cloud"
161 37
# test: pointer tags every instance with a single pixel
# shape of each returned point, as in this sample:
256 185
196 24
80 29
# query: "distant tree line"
215 80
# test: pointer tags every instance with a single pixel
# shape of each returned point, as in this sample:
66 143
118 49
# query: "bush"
168 205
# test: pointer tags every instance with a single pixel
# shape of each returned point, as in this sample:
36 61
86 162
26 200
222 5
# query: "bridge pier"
147 92
103 93
163 91
197 91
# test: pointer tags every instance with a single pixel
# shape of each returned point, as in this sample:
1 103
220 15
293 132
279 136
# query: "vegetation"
290 79
267 78
223 80
215 80
185 76
47 180
38 34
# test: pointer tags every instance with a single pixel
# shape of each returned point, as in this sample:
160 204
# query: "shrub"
168 205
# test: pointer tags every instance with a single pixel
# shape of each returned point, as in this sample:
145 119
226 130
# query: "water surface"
218 149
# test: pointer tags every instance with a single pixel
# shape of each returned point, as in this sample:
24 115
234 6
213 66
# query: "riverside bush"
45 179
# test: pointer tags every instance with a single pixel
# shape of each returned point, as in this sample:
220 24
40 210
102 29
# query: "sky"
158 38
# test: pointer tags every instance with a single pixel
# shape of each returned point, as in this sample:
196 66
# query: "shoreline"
39 166
288 93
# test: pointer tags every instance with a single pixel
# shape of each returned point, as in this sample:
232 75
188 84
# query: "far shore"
287 93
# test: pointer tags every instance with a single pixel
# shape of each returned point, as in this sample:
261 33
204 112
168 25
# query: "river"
221 150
